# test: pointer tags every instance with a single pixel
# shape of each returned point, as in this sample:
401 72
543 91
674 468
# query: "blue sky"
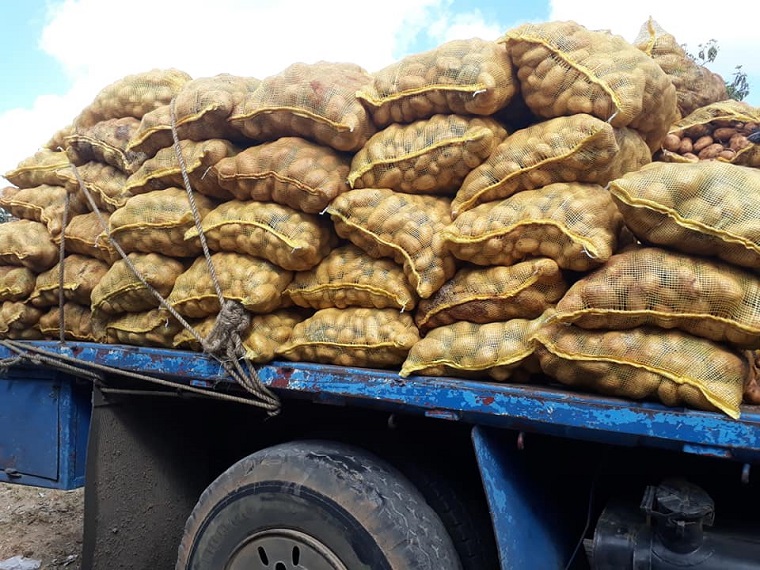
57 54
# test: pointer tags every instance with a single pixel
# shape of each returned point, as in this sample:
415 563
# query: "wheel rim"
283 549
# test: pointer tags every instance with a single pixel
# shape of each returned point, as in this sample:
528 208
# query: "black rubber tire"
355 505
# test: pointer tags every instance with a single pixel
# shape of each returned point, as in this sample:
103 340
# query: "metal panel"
527 534
44 422
29 424
535 408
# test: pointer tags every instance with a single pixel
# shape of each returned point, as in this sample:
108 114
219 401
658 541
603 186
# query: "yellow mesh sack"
120 291
27 243
495 350
80 276
164 171
77 323
154 328
485 295
315 101
566 69
255 283
19 321
16 283
696 86
106 142
291 171
58 141
260 343
706 208
157 222
41 168
470 76
429 156
576 225
202 107
652 286
293 240
580 148
43 204
645 363
86 235
356 336
404 227
349 276
104 182
133 96
715 132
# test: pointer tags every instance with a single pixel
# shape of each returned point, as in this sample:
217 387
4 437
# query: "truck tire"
314 505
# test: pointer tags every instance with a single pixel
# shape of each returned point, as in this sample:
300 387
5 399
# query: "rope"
193 206
230 356
61 256
225 339
39 356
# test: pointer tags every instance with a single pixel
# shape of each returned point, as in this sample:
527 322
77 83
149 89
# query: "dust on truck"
496 305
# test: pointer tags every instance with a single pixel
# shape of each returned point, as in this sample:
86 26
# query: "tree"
738 86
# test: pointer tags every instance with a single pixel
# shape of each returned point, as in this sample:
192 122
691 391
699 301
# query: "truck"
364 469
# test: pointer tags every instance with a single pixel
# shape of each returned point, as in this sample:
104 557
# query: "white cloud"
99 41
692 23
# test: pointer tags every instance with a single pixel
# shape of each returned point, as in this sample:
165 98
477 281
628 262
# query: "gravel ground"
41 524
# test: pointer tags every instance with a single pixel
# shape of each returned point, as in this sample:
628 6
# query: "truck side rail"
531 408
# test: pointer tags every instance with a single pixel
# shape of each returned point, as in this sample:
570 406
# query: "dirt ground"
42 524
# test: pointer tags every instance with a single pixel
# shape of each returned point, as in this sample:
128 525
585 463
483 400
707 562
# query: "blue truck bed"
530 408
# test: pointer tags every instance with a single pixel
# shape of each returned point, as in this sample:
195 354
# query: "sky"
56 55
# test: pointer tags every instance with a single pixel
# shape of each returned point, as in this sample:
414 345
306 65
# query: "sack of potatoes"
16 283
20 321
43 167
77 323
405 227
201 109
199 158
106 142
86 235
291 171
696 86
80 276
657 287
315 101
429 156
350 277
577 225
290 239
261 340
155 328
719 131
256 283
356 336
580 148
482 295
27 243
121 291
707 208
645 363
133 96
566 69
469 76
104 183
500 351
156 222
